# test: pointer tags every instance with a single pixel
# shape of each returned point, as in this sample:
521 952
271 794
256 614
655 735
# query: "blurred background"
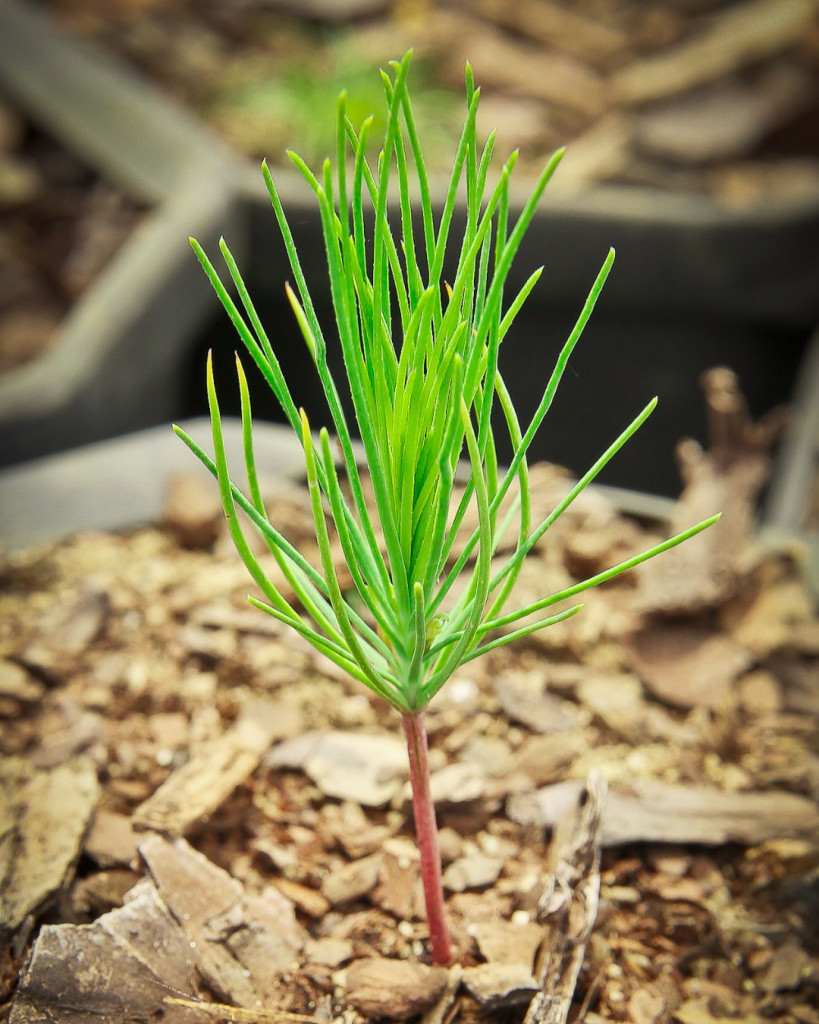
713 95
692 129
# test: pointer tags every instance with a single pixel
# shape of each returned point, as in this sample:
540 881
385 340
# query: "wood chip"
112 839
441 1012
569 902
352 881
491 754
790 967
652 811
395 989
760 693
744 33
365 769
686 666
18 684
78 731
246 943
771 620
309 900
353 831
523 697
724 122
499 985
193 511
700 1011
508 941
44 814
101 892
473 872
132 959
596 155
545 22
69 628
329 952
646 1007
617 699
457 783
544 758
709 569
520 67
199 787
399 887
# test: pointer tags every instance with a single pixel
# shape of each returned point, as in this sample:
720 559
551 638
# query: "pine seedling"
421 355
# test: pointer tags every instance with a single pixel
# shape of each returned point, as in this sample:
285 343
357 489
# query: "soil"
714 95
210 817
60 224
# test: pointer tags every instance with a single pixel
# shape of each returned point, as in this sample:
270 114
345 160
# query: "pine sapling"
421 354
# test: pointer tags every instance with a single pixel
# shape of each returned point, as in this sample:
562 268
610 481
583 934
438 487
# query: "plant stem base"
426 831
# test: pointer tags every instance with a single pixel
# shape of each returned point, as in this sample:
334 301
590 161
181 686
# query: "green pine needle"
423 377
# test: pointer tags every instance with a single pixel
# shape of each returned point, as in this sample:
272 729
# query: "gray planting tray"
117 362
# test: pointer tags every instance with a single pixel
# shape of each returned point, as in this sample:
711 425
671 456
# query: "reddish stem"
426 831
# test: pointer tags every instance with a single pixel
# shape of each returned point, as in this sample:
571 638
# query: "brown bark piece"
306 899
395 989
457 783
498 985
789 968
18 685
508 941
442 1012
545 22
760 693
705 571
353 881
522 67
367 770
724 122
245 942
617 699
77 730
100 892
361 768
686 666
132 959
652 811
112 839
193 511
329 952
475 871
598 154
744 33
44 814
545 758
568 905
524 699
399 888
352 830
68 628
771 620
732 434
196 1012
200 786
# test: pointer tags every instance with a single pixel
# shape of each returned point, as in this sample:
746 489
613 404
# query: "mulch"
214 822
